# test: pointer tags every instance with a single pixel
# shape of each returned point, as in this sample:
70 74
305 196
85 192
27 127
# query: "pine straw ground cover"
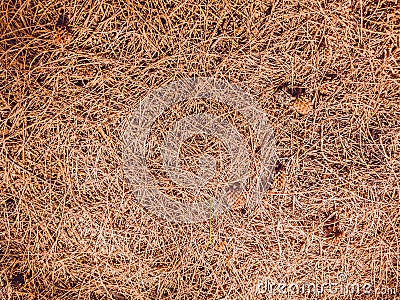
72 71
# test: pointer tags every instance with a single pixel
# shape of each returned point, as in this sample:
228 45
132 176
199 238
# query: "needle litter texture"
72 71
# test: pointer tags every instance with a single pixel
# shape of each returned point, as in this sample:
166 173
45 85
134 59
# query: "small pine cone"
335 236
235 197
236 201
280 176
239 203
84 73
62 36
302 105
220 247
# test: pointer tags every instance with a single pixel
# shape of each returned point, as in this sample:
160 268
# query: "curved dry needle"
210 226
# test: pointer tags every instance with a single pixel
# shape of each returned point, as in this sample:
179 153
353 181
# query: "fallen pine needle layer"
71 72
